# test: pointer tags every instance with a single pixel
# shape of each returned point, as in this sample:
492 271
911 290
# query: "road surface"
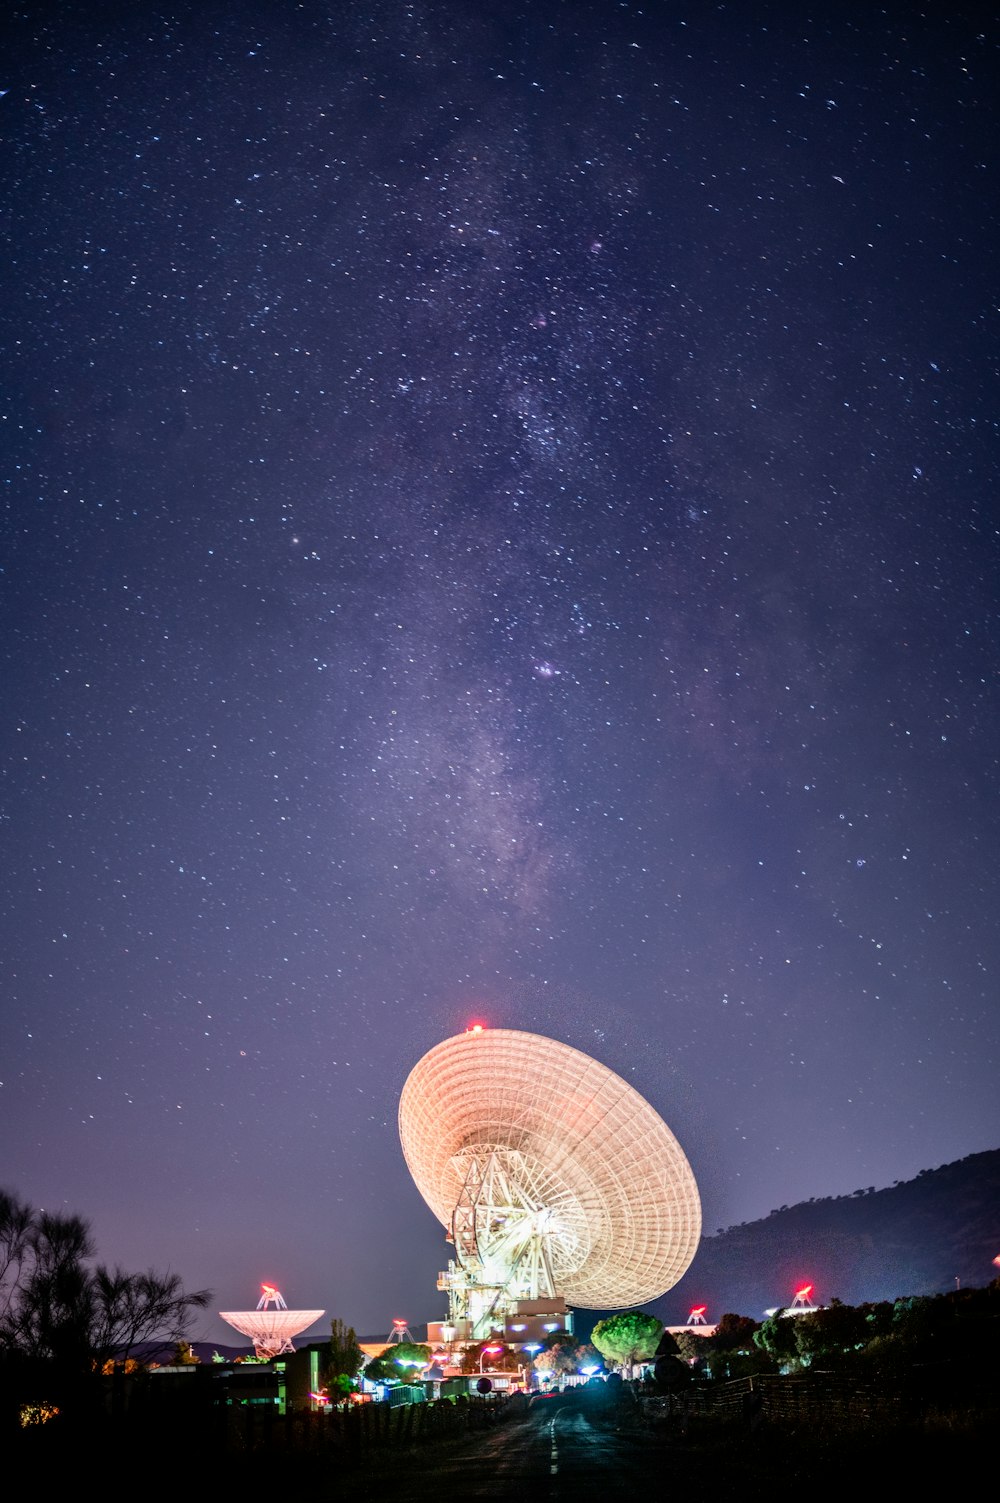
563 1448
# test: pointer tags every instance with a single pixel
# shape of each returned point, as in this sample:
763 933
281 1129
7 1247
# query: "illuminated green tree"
628 1338
398 1362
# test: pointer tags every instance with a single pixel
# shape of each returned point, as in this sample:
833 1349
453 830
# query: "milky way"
500 523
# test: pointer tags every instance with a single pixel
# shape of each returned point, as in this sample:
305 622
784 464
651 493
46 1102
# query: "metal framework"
551 1174
271 1331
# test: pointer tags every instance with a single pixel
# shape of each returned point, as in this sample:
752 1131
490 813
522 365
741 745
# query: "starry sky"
500 523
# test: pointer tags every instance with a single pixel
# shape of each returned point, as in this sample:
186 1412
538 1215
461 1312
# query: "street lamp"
532 1348
492 1351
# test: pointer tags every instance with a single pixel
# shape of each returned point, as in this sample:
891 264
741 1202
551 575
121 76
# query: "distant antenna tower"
802 1304
400 1332
697 1316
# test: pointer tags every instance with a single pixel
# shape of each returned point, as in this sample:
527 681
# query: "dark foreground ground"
573 1447
566 1449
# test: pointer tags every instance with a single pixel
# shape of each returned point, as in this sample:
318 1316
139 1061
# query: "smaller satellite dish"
271 1329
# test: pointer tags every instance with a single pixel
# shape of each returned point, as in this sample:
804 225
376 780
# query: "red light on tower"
802 1295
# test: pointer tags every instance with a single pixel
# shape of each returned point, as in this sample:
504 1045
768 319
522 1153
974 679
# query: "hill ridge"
916 1236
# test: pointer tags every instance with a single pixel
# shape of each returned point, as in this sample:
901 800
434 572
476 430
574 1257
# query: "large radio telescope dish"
549 1170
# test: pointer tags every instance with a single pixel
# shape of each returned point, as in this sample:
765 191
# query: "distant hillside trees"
915 1237
881 1340
731 1352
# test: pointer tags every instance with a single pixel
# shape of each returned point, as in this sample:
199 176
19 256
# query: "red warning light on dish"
475 1028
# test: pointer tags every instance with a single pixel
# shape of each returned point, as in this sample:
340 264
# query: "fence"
356 1430
814 1399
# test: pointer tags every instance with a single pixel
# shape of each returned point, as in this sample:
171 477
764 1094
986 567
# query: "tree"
398 1362
493 1353
776 1337
380 1370
67 1317
560 1354
409 1354
693 1348
49 1311
130 1309
627 1338
830 1335
345 1361
16 1220
560 1338
734 1333
589 1356
557 1361
730 1352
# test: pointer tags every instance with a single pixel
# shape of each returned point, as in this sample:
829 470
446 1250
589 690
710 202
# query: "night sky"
500 524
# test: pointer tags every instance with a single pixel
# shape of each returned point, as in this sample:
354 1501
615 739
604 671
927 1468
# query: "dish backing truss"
552 1175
